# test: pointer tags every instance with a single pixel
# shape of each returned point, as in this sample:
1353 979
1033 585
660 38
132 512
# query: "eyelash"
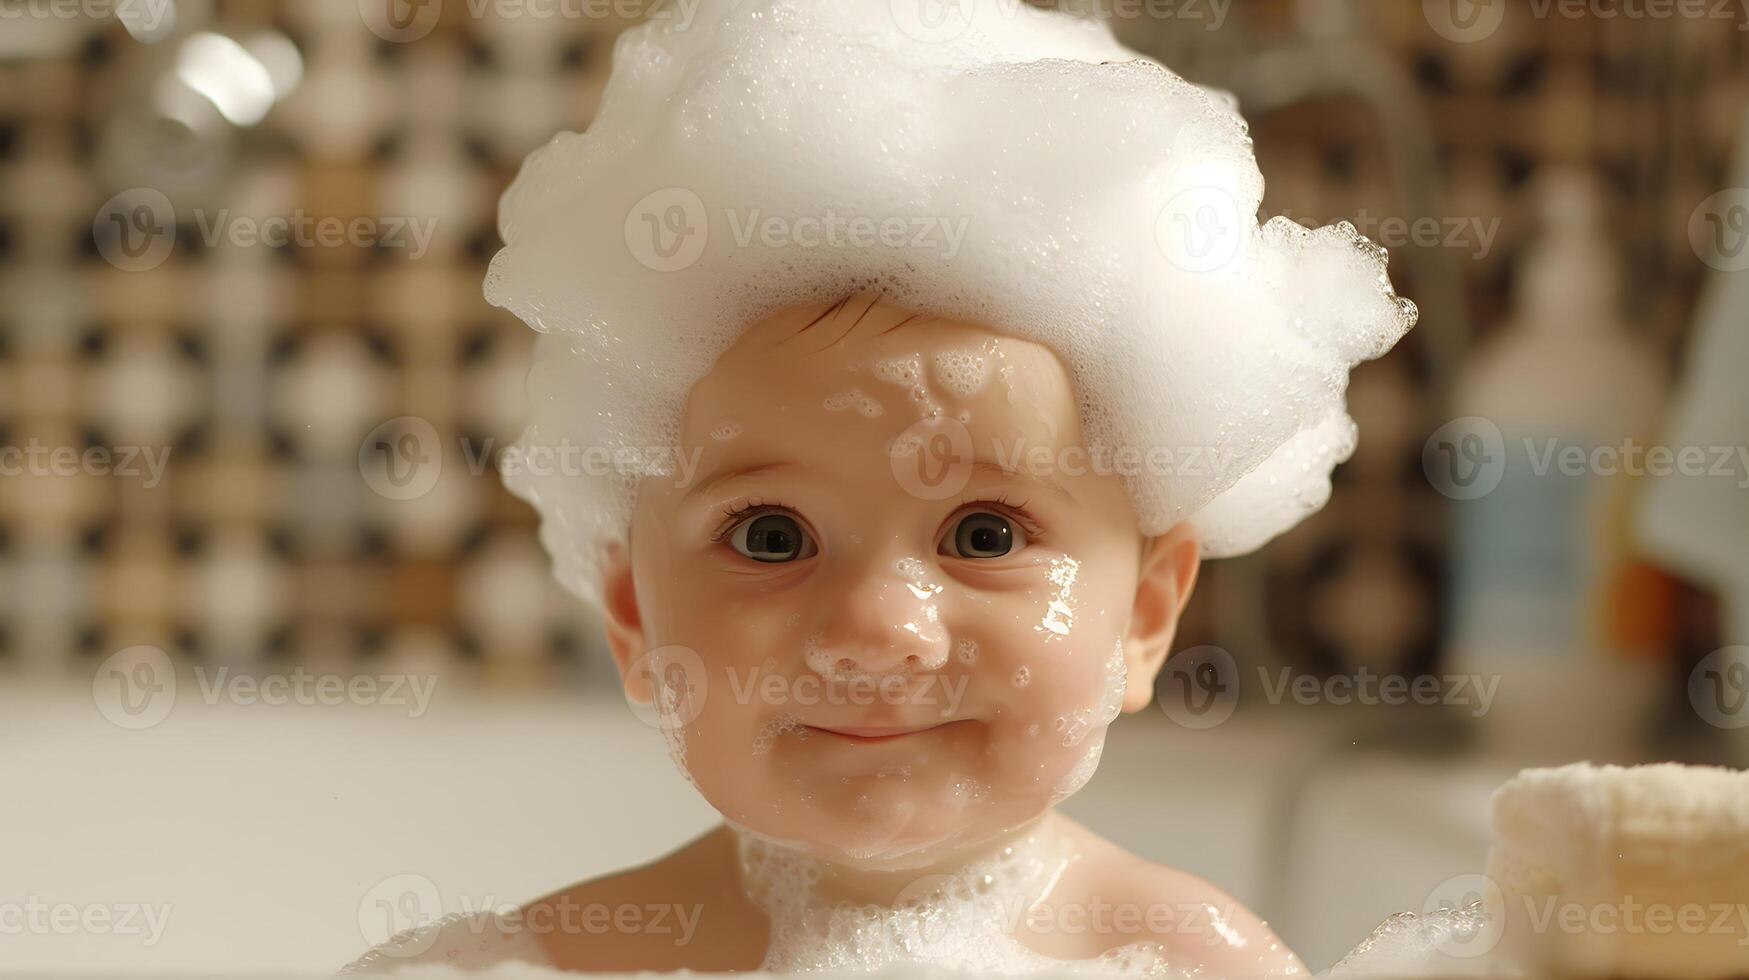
737 511
1016 511
732 514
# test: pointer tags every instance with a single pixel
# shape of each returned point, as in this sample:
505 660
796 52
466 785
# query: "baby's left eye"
982 535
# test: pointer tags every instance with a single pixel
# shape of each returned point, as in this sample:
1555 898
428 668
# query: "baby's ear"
625 627
1168 574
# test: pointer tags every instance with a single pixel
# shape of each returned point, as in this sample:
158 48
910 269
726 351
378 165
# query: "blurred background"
281 658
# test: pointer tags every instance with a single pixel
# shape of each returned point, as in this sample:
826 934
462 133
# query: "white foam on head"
1095 202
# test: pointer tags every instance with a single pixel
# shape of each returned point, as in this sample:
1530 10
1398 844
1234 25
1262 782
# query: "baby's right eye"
772 538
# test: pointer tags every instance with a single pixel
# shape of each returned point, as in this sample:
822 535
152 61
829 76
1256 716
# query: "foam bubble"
1059 614
961 921
1076 725
963 372
776 728
855 398
1081 774
1113 220
907 373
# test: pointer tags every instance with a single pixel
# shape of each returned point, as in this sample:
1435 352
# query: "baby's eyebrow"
983 467
735 473
997 471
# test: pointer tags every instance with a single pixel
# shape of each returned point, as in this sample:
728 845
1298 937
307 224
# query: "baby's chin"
885 823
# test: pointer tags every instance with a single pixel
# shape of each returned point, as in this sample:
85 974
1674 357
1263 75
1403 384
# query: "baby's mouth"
875 734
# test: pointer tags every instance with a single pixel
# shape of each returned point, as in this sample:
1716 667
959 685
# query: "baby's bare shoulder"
1137 901
671 914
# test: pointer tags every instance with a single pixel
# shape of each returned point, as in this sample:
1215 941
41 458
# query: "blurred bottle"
1542 567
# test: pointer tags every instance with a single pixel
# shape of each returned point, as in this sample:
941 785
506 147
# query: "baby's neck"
959 907
1042 840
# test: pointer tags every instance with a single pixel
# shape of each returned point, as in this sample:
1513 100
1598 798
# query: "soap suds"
626 247
962 921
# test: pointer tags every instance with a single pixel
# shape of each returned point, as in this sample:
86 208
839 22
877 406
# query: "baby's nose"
887 623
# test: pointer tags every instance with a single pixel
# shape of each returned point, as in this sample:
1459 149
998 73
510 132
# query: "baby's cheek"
1065 678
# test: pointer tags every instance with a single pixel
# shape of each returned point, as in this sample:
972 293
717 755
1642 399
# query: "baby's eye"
983 535
772 538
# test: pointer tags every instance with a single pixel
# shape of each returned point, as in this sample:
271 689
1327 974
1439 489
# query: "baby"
933 354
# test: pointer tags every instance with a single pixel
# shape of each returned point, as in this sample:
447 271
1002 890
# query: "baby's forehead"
860 353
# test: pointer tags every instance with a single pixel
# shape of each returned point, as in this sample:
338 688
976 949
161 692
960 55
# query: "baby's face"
893 635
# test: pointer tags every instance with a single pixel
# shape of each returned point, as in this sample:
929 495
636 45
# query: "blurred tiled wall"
257 375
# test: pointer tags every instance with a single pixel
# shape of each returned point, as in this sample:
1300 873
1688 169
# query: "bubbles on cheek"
776 728
925 623
1059 614
1022 677
1079 776
966 651
965 793
1076 725
727 429
863 403
673 726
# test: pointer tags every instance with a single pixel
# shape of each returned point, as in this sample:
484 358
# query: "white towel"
1606 871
